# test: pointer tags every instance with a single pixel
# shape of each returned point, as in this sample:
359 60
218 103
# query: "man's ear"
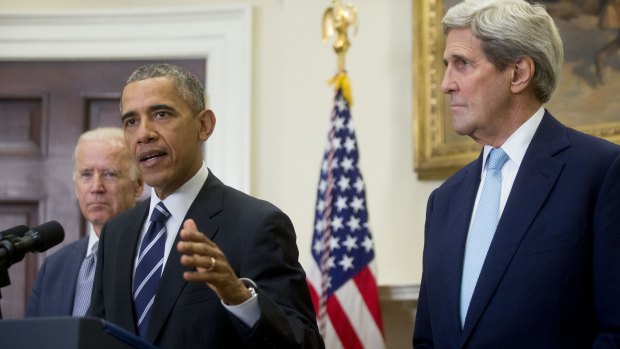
522 74
207 124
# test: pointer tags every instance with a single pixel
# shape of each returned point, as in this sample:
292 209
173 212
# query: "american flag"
342 271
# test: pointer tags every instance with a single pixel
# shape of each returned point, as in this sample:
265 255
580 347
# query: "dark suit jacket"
551 278
259 243
54 288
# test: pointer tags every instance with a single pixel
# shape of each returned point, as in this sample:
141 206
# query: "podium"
67 333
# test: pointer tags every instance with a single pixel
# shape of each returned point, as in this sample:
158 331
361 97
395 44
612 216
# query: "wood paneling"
102 111
21 131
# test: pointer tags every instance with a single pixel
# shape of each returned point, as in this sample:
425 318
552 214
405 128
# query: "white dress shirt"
92 239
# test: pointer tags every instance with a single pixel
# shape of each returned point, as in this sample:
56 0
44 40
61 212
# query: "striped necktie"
149 267
482 227
84 285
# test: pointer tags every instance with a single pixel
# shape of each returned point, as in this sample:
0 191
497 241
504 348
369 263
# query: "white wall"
291 104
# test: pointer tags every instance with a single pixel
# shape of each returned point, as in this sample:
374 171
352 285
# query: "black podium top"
67 333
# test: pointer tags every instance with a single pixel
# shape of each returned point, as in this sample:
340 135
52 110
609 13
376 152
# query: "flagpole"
336 22
342 275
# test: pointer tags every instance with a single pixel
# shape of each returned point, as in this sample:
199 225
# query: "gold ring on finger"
212 264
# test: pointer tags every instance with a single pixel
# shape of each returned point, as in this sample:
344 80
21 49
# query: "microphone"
13 247
17 230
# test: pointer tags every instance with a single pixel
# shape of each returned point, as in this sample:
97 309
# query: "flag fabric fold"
342 273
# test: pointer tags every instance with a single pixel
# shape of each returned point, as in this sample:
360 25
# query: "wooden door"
44 107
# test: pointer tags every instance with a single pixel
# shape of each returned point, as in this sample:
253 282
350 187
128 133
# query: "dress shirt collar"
516 145
92 239
178 203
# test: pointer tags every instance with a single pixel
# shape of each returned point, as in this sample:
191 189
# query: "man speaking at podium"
200 264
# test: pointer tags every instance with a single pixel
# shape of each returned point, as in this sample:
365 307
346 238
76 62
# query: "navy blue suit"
259 243
551 278
54 288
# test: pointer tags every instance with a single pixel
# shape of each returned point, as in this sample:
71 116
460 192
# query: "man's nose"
146 132
98 184
448 84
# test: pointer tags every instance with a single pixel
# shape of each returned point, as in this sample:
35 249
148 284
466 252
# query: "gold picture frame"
579 102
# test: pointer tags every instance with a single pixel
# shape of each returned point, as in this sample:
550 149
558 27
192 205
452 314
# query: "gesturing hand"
211 265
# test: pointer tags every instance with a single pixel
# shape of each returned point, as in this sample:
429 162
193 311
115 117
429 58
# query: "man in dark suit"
225 270
522 248
106 182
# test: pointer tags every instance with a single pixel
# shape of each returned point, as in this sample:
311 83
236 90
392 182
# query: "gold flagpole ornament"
336 21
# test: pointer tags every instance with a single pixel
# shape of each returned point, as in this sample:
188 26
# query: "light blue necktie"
149 267
84 285
482 227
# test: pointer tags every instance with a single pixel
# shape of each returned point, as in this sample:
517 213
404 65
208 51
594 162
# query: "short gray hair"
190 88
510 30
113 135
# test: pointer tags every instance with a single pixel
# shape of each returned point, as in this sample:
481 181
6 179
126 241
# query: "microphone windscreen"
47 235
19 230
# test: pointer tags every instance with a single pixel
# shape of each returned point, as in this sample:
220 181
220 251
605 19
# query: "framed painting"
586 98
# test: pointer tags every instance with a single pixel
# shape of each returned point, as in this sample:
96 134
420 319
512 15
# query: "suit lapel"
537 175
206 205
459 209
126 256
74 260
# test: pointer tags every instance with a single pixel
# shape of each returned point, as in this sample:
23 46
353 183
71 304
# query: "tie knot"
160 213
497 158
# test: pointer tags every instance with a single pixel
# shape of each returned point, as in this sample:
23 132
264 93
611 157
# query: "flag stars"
350 243
346 164
337 224
367 243
359 185
351 126
331 262
320 206
334 243
343 183
323 184
346 263
349 144
317 247
341 203
357 204
341 104
339 123
319 225
353 223
336 143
